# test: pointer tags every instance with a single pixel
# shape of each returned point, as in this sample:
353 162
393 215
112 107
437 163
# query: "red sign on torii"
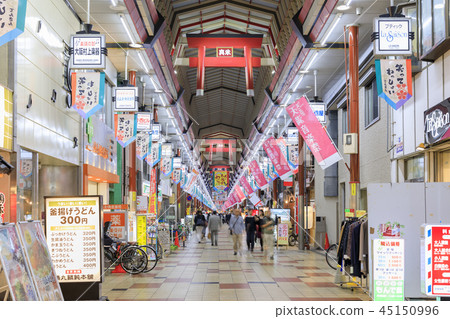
204 41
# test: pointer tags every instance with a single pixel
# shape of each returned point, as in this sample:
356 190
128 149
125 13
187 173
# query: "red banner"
258 175
313 133
239 193
248 189
277 158
153 198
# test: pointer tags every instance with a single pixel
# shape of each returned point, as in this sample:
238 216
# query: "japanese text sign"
153 198
388 269
73 229
277 158
12 19
224 52
88 51
144 122
117 228
394 81
244 182
177 175
283 233
437 122
319 111
220 180
88 92
313 133
436 260
239 193
166 166
392 36
125 127
142 145
125 99
155 155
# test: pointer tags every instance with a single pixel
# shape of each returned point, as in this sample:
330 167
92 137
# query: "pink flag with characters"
276 156
314 134
248 189
240 193
258 175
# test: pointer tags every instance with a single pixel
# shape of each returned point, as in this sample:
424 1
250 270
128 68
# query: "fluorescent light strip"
298 82
127 30
331 28
311 61
114 3
144 65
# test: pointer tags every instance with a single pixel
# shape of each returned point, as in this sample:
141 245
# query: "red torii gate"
235 41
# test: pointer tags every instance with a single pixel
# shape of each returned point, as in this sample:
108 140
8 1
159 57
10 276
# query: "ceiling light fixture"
311 60
344 6
127 29
298 82
114 3
143 63
336 19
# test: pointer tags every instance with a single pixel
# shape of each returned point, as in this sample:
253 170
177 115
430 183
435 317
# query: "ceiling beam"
218 124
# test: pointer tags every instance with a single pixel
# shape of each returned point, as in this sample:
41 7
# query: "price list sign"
388 269
437 260
73 228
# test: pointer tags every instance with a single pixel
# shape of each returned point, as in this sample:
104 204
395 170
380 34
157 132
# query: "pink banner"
313 133
248 189
240 193
258 175
276 156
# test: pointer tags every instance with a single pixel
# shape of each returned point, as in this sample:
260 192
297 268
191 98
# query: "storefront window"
433 23
371 103
443 166
415 169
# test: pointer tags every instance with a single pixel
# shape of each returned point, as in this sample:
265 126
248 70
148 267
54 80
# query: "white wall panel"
421 105
408 123
396 116
436 85
446 67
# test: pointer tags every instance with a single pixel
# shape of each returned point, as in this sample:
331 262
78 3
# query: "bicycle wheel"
108 261
331 256
152 258
133 260
292 240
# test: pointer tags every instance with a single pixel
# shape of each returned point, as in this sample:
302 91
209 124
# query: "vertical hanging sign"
142 145
313 133
258 175
155 155
88 51
177 175
167 159
244 182
277 158
12 19
220 180
88 92
125 127
153 198
394 81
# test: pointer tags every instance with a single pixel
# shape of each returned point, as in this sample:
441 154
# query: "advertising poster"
88 92
12 21
38 256
221 180
18 275
73 229
153 198
117 220
388 269
141 229
277 158
436 260
312 131
125 128
283 234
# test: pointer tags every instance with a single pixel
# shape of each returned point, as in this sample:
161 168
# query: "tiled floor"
205 272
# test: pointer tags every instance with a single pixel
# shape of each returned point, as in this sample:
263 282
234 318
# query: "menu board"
38 256
73 227
18 275
283 234
388 269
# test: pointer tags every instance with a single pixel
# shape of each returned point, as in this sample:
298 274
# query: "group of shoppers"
256 227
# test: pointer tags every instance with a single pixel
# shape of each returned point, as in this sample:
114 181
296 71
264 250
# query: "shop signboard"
315 136
155 154
131 226
144 122
176 176
292 135
125 99
436 260
166 166
226 52
156 132
117 219
146 188
177 162
388 269
293 155
283 214
153 198
12 19
437 122
141 229
38 257
73 229
319 111
277 158
88 92
6 118
17 272
283 233
142 203
88 51
142 145
392 36
394 81
221 180
125 128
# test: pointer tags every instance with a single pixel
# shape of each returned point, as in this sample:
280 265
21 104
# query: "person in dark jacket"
107 239
258 222
250 227
200 223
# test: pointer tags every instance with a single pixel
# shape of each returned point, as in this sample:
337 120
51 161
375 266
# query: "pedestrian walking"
214 227
237 229
199 223
250 227
267 229
258 222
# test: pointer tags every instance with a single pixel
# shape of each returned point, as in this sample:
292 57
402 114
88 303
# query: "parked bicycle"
293 239
331 256
133 259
